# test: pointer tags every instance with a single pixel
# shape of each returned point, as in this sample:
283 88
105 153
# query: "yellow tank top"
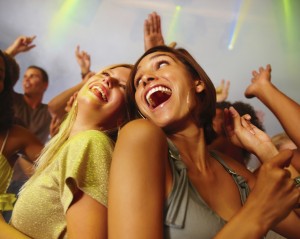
6 171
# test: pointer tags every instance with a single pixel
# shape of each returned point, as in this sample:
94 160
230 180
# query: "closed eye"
122 86
105 73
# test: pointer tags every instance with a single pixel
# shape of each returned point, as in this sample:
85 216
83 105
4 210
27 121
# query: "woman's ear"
199 86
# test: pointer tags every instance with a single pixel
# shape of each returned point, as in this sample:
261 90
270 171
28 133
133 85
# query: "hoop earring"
141 115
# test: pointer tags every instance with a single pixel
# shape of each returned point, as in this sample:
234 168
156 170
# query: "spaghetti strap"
4 142
238 179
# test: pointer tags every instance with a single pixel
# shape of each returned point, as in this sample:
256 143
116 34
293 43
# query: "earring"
141 115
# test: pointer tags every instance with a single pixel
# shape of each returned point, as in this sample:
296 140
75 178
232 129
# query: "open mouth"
158 95
98 91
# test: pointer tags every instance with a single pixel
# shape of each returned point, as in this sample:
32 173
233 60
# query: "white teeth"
101 91
155 89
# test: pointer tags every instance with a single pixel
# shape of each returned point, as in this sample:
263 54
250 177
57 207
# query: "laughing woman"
67 195
173 187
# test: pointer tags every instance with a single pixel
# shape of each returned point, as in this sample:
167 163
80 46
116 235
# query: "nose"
147 78
108 81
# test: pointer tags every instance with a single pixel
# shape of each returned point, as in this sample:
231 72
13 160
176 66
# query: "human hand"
54 126
274 194
21 44
244 134
222 91
260 79
152 31
83 60
70 102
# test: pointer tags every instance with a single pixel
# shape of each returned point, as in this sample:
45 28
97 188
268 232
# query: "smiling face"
170 88
102 98
165 90
33 83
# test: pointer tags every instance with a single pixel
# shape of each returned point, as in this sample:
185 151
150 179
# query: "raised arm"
21 44
246 135
152 31
284 108
57 105
223 90
84 61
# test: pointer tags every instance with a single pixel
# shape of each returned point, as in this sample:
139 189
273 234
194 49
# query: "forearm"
284 108
253 229
270 151
11 51
8 232
56 106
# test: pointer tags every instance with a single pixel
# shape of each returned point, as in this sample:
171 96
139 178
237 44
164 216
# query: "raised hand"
246 135
70 102
83 60
223 90
152 31
260 79
21 44
54 126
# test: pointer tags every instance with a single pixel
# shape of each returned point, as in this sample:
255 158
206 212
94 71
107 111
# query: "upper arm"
86 218
137 182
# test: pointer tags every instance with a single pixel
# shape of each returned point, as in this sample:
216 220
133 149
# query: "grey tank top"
186 215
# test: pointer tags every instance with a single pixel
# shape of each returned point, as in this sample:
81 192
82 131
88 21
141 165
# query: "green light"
238 23
171 32
289 23
61 20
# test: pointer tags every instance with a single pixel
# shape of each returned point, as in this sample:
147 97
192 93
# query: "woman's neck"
191 145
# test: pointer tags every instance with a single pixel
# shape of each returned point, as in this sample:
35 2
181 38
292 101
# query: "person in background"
222 143
13 138
29 110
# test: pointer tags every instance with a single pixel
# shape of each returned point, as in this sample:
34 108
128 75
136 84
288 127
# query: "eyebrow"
156 56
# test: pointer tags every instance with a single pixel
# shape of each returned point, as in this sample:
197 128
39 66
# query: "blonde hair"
47 155
281 139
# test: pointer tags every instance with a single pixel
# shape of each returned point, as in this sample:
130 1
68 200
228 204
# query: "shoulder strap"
238 179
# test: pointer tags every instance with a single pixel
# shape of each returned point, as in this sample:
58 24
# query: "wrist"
10 52
84 73
267 152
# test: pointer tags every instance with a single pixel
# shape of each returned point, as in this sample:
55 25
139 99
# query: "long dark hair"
206 107
6 98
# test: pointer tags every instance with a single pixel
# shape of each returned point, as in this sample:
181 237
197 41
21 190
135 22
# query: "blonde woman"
67 195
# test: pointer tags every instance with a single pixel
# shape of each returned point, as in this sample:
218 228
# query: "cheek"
138 99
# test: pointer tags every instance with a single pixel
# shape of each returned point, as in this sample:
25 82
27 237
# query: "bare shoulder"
141 139
142 129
